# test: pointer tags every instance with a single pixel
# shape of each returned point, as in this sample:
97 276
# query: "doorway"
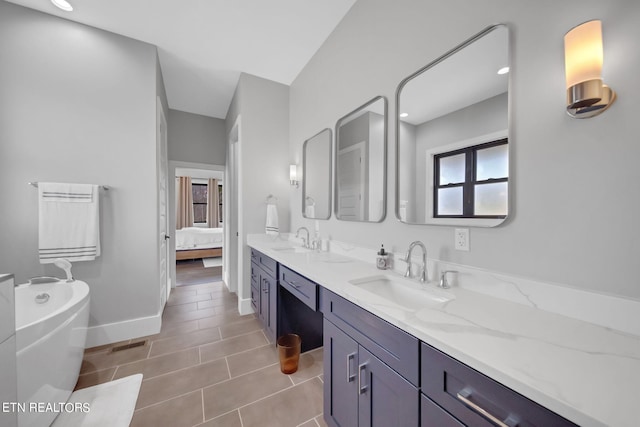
199 173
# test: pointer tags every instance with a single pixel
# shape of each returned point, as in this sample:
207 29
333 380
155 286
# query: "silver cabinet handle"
350 376
362 388
464 396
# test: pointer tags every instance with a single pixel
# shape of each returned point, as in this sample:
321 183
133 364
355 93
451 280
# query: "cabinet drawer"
269 265
301 287
465 393
431 415
388 343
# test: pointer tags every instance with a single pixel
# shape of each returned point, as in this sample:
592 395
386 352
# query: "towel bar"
35 184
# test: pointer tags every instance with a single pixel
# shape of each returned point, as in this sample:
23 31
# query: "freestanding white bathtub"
51 331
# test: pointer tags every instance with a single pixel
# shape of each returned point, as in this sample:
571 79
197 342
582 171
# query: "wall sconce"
587 96
293 175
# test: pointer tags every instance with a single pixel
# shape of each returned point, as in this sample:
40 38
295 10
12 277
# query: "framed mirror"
452 138
361 160
316 180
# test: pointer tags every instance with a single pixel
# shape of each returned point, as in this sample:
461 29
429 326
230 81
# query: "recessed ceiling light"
503 70
63 4
403 115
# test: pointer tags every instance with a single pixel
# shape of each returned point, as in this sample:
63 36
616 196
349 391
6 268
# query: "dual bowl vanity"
403 353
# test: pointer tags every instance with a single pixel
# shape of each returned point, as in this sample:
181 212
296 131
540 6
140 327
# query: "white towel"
272 220
69 223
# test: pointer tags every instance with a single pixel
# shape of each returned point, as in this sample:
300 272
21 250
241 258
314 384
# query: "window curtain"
184 216
212 203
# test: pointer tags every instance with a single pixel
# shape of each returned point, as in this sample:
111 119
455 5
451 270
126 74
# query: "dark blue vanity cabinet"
285 301
377 375
365 363
298 308
457 395
264 291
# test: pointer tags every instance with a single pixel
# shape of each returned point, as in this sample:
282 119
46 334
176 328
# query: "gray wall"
79 105
316 171
263 106
575 206
195 138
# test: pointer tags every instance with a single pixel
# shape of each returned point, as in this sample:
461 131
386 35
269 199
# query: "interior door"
351 182
163 206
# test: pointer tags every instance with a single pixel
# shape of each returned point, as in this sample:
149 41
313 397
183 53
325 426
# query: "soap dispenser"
382 260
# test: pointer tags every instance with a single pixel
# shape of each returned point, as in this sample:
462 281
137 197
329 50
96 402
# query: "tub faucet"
306 241
65 265
407 259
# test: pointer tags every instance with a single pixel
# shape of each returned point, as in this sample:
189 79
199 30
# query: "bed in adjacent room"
197 242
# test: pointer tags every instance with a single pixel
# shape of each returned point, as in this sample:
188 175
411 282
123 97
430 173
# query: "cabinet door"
263 301
267 313
384 397
340 378
269 296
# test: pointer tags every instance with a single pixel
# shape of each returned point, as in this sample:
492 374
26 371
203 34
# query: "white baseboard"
244 306
125 330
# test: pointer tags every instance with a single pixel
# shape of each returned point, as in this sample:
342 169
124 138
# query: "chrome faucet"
407 259
443 279
306 241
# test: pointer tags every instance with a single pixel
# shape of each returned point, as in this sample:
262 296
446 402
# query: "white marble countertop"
587 373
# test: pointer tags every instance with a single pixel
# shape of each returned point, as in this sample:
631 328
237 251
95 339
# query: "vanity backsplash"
601 309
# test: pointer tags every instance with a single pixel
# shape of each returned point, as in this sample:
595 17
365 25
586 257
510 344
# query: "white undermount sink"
409 294
290 248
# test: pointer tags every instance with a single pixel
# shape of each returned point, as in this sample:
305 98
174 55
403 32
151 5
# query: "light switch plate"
461 239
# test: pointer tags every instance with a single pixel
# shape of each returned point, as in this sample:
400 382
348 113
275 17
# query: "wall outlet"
461 239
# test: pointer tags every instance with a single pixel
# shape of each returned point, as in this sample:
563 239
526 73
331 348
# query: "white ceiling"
204 45
467 77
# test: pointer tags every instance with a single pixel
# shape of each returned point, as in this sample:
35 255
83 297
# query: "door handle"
167 237
362 388
464 396
350 376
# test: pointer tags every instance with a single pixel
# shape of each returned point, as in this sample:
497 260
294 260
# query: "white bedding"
199 238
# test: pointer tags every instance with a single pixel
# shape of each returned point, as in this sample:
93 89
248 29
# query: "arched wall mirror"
316 183
361 159
452 139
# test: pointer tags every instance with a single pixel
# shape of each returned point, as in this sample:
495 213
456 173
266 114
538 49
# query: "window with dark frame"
199 192
472 182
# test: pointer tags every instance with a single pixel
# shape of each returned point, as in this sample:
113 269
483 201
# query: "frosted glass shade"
583 53
293 172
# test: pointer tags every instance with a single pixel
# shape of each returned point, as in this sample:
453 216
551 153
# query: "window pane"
491 199
199 213
450 201
492 162
452 169
199 193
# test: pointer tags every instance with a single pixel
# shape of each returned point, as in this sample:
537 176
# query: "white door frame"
173 165
235 233
163 208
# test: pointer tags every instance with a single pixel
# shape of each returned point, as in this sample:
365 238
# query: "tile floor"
211 367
